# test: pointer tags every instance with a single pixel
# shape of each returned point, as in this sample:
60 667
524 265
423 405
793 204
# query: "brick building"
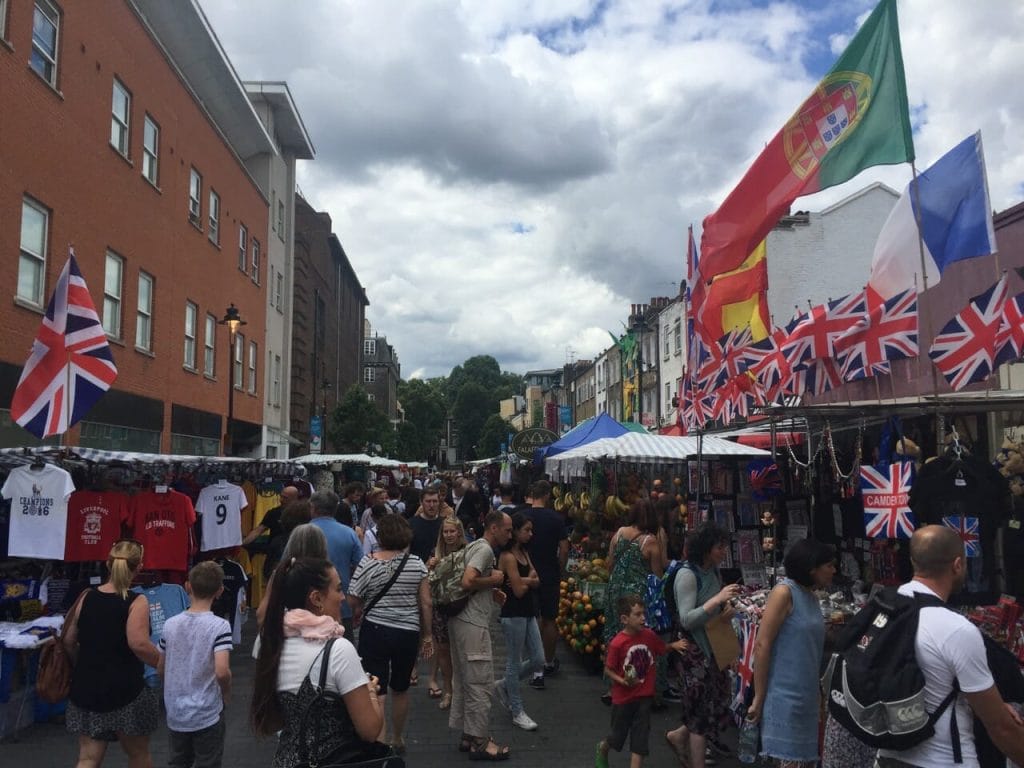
381 372
329 307
126 133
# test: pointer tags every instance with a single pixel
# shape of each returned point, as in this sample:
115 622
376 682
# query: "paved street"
571 717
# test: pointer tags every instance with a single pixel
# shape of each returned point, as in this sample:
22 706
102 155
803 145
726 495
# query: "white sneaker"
524 721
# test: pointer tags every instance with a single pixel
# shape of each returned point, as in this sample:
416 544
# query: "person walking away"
344 549
108 637
951 651
472 669
196 669
630 665
787 658
451 538
305 541
370 543
700 597
390 600
549 550
519 619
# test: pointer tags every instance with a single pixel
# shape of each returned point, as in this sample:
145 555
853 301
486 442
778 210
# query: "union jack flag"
1010 341
886 495
887 332
814 336
817 378
967 529
738 355
965 349
747 636
70 366
773 369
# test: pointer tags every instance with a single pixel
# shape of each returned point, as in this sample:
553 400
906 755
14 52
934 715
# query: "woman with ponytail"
109 636
301 627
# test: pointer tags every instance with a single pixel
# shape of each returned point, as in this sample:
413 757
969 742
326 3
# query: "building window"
112 295
120 115
371 397
3 19
273 210
239 356
195 198
271 451
243 248
664 333
256 261
270 284
214 218
210 346
144 314
369 346
677 337
668 397
191 319
275 384
35 222
369 374
253 352
45 38
280 219
278 291
150 150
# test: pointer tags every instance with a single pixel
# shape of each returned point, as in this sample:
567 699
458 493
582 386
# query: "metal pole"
228 441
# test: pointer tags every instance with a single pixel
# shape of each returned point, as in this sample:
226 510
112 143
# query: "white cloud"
508 176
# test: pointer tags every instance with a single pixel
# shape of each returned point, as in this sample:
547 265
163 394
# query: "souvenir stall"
330 471
63 509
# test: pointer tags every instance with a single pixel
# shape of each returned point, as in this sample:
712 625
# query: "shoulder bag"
394 577
53 679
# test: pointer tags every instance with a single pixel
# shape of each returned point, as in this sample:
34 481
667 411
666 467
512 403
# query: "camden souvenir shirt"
94 524
39 511
220 508
162 523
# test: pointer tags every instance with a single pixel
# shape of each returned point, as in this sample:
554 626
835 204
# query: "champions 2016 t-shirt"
220 506
39 511
94 524
162 522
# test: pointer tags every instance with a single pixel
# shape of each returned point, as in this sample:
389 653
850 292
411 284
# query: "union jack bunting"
888 332
886 496
747 636
814 336
1010 340
739 354
967 529
965 349
773 369
70 366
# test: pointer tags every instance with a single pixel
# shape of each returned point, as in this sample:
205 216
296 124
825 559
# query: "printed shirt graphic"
165 601
220 508
162 522
634 655
39 511
94 524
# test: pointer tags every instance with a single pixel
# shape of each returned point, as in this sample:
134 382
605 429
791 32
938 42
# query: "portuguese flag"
857 117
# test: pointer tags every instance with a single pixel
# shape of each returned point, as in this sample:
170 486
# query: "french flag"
956 222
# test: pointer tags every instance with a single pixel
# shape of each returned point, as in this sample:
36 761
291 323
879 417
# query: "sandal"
415 678
434 692
479 751
446 702
465 743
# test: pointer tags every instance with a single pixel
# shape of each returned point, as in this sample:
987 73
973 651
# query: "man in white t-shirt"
949 648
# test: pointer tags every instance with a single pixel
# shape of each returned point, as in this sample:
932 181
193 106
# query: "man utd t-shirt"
220 509
39 511
94 524
162 523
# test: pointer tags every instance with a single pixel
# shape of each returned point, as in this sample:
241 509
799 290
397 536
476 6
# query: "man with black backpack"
951 655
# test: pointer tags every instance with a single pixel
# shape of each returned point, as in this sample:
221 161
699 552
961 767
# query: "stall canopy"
594 428
645 448
318 459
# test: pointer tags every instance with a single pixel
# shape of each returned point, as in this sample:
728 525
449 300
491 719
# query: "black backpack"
874 685
669 589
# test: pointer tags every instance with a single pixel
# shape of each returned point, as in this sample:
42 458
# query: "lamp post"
325 387
232 319
640 324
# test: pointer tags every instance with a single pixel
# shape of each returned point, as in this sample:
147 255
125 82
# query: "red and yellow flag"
735 300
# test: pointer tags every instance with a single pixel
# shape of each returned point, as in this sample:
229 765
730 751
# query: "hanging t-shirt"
220 509
229 604
39 511
94 524
165 600
162 523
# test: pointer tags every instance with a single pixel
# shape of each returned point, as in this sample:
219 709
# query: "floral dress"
628 576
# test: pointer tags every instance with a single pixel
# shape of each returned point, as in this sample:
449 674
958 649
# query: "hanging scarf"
299 622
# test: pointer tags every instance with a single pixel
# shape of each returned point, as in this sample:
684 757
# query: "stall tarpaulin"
585 432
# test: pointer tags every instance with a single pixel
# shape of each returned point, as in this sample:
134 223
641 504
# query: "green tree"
495 432
473 405
357 422
425 413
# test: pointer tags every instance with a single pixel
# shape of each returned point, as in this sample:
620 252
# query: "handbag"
53 678
394 577
356 754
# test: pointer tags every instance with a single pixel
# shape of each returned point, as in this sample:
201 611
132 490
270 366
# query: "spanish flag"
735 300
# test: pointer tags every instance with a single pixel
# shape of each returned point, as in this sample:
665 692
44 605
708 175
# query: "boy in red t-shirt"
630 665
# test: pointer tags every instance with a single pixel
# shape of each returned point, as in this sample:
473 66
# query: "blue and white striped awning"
16 456
320 459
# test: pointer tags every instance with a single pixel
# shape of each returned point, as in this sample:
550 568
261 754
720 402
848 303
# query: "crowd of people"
356 598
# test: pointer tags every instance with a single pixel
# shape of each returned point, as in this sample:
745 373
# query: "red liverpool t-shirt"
94 524
162 523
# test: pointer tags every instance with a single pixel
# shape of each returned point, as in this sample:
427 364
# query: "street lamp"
232 319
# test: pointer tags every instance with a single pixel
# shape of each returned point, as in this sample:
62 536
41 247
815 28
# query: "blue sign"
315 434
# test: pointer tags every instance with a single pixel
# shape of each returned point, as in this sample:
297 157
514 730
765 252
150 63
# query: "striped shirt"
399 608
191 693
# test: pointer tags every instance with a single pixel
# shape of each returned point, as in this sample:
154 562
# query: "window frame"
121 123
39 259
191 339
4 6
195 198
55 17
280 219
213 217
210 347
254 350
144 315
369 347
115 301
243 248
279 291
677 338
151 155
256 257
238 361
369 374
275 382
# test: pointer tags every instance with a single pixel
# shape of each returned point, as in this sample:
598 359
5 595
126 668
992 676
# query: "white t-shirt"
300 657
220 509
948 646
39 511
191 694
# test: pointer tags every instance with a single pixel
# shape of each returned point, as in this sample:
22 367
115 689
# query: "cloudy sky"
508 176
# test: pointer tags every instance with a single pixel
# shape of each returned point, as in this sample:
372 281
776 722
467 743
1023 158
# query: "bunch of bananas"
614 507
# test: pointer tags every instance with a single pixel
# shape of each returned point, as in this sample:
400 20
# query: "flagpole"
914 185
67 401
